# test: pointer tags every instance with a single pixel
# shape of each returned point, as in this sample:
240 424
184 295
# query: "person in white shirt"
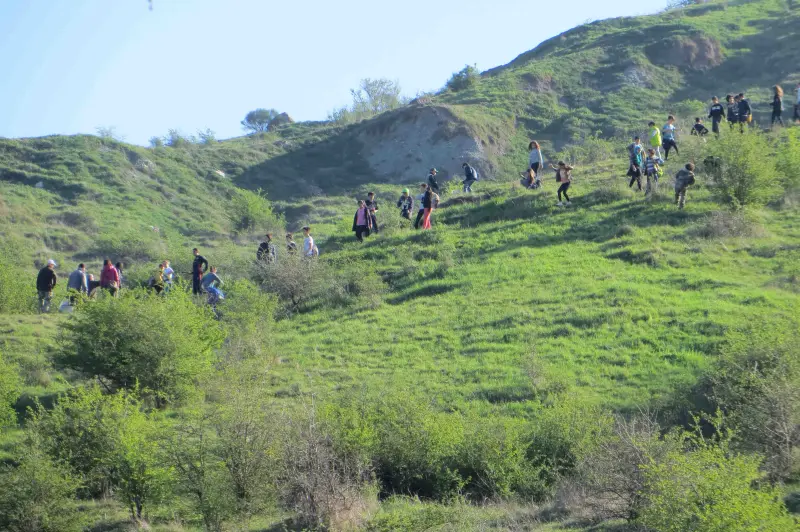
169 274
309 248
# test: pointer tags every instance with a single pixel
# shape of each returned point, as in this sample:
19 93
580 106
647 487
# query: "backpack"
475 174
435 201
558 176
315 251
691 178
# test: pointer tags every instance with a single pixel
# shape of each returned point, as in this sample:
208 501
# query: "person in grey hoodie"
77 284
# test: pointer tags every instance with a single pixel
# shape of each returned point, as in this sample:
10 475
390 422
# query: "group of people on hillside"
78 282
267 251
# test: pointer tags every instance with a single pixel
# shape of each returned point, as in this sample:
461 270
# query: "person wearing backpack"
362 221
372 208
470 176
267 251
777 105
563 176
654 134
652 169
668 135
683 180
423 189
636 153
716 113
406 204
733 110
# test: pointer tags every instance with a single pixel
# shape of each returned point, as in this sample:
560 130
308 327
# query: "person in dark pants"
733 110
777 105
745 112
432 183
699 129
45 282
716 114
199 267
406 204
372 207
423 188
564 176
636 153
362 221
668 136
470 176
267 251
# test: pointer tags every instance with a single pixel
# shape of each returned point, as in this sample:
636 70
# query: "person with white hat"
45 282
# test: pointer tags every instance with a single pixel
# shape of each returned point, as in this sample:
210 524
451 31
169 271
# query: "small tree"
745 173
259 120
375 96
163 345
156 142
108 133
251 210
37 495
207 136
466 78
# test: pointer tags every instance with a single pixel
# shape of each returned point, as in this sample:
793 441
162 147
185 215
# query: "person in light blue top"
535 157
668 136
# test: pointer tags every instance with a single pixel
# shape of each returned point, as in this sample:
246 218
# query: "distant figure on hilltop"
470 177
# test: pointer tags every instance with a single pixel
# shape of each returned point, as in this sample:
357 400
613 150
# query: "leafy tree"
466 78
9 392
259 120
36 495
746 172
161 344
251 210
375 96
156 142
108 133
207 136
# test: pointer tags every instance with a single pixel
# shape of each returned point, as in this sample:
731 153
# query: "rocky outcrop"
692 52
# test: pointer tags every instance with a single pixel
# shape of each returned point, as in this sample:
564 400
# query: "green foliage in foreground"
162 345
9 391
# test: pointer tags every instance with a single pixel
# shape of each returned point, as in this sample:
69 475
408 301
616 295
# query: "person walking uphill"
77 283
716 113
109 278
683 180
372 207
563 176
361 221
733 110
636 153
423 189
432 183
777 105
654 134
668 134
199 267
470 176
267 251
45 283
652 169
405 204
745 112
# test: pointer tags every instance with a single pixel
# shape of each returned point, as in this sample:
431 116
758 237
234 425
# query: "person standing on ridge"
470 176
423 189
535 159
361 221
654 134
683 179
77 283
372 207
777 105
432 183
563 176
109 278
406 204
668 134
636 153
733 110
199 267
716 113
45 283
267 251
745 112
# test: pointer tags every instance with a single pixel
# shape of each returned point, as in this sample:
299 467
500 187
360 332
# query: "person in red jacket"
109 278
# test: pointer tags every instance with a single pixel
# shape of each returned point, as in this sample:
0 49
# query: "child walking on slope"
563 176
652 168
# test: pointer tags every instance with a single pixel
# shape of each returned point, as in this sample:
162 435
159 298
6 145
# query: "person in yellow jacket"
654 137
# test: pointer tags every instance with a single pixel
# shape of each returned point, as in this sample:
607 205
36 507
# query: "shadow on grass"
425 291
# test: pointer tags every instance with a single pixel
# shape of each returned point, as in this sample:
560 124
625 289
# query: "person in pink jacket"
109 278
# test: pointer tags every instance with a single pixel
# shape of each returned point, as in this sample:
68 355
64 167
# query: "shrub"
36 496
724 224
17 293
466 78
251 210
248 315
161 344
9 392
788 159
708 489
746 171
129 245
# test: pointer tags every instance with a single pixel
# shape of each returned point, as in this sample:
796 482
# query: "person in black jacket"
699 129
777 105
716 114
372 207
733 110
267 250
432 183
199 267
45 282
470 176
745 112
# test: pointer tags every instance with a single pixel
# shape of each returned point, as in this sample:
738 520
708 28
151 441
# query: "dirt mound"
401 146
694 52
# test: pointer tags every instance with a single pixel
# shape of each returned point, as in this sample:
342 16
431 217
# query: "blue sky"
70 66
